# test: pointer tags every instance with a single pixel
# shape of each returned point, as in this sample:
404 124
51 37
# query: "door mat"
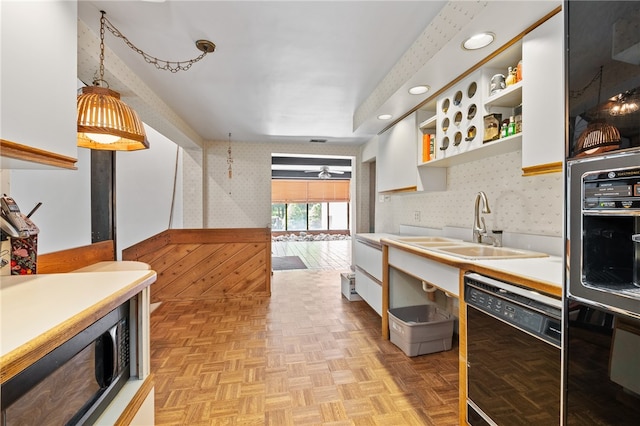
282 263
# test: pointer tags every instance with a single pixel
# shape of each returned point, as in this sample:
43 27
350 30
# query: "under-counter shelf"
489 149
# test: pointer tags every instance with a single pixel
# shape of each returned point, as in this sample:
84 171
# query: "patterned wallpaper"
244 200
530 205
192 188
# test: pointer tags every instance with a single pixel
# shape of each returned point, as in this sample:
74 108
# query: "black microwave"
74 383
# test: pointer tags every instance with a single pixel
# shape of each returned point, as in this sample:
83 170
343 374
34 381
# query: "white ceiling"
290 70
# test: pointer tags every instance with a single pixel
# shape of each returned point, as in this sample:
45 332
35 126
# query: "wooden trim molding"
399 190
138 399
541 169
462 353
34 155
75 258
385 292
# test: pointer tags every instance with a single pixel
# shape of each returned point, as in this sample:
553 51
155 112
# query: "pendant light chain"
98 80
600 85
578 93
160 64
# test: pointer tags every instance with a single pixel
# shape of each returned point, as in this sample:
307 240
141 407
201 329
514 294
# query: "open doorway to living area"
311 212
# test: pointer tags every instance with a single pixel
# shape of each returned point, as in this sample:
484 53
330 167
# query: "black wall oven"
75 382
604 231
602 312
601 334
513 354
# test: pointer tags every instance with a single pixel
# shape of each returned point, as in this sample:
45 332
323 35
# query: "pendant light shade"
597 138
107 123
104 121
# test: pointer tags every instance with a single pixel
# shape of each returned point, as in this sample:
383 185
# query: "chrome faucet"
479 227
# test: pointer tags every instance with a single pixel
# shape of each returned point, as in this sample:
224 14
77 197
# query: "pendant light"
104 121
107 123
599 136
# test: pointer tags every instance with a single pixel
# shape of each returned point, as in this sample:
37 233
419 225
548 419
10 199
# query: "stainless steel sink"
477 251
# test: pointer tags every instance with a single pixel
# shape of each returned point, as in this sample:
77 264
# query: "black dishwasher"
513 354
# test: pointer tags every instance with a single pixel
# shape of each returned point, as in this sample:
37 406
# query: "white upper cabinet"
543 96
397 160
398 156
39 77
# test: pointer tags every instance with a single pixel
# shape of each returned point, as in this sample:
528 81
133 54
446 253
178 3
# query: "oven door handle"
635 238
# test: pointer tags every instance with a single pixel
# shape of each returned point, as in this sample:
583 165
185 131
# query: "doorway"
311 211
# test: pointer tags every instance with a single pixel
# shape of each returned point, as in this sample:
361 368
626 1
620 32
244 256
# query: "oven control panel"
613 189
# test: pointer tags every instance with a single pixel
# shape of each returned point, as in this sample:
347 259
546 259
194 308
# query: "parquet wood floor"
305 356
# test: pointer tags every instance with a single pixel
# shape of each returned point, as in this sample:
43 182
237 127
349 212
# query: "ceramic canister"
497 83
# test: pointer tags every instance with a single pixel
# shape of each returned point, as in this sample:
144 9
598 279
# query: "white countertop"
32 305
546 271
374 237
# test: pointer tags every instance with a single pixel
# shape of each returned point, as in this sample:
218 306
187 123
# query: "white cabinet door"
543 94
397 157
39 75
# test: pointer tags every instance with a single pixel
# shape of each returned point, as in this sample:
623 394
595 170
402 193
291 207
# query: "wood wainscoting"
75 258
206 263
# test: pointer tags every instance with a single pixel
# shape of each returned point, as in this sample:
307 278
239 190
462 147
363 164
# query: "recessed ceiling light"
384 116
478 41
419 90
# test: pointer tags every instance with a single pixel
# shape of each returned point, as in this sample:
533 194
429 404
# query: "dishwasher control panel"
504 302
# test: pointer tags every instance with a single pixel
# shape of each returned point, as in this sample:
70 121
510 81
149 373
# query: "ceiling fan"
325 172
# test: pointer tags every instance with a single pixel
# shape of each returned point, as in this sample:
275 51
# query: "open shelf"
489 149
429 123
509 97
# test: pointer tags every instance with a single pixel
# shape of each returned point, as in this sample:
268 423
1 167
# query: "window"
299 205
278 217
317 216
338 216
309 216
297 217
